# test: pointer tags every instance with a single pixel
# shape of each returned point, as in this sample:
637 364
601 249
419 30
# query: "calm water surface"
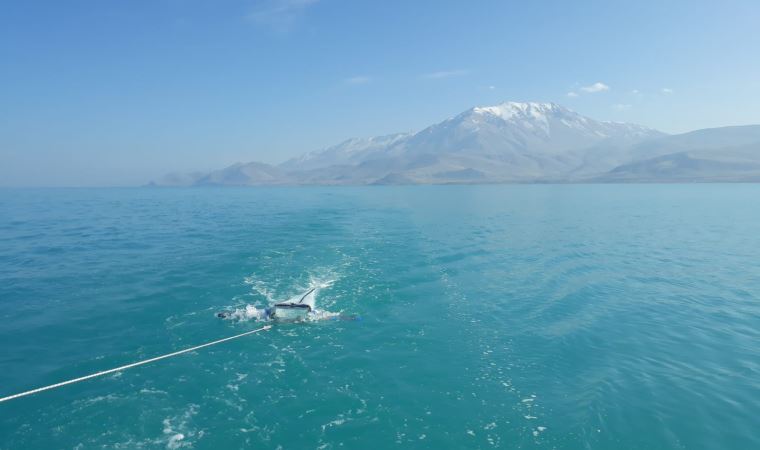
570 317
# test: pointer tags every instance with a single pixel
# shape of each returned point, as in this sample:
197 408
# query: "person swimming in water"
289 311
268 314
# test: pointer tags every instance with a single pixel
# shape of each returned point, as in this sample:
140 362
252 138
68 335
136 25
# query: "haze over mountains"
511 143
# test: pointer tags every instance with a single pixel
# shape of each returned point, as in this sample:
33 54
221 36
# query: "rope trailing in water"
129 366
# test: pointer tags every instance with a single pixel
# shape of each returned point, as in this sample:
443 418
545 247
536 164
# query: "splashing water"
317 281
640 338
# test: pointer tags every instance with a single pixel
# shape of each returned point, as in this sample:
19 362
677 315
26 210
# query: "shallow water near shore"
524 316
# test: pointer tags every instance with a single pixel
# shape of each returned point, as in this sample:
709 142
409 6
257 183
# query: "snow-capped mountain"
349 152
509 142
533 127
512 142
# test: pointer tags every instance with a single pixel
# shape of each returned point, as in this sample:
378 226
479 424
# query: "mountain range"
511 143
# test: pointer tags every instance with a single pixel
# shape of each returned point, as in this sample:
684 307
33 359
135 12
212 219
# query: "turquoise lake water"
527 316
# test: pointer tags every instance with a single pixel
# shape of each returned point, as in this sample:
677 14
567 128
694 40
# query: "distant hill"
715 154
511 142
243 174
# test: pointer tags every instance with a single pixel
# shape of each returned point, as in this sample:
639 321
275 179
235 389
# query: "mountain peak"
512 110
509 141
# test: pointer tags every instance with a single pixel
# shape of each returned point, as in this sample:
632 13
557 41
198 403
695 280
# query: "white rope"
129 366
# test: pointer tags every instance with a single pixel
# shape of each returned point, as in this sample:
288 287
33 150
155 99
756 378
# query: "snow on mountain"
529 115
508 142
521 128
348 152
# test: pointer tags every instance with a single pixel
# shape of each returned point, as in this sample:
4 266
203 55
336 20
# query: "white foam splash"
318 280
249 312
176 429
260 287
320 314
335 423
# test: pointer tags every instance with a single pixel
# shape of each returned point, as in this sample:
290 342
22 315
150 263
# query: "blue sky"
118 92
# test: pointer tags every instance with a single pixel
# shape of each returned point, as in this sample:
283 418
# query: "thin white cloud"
360 79
491 88
621 106
635 92
445 74
279 15
596 87
572 94
666 91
